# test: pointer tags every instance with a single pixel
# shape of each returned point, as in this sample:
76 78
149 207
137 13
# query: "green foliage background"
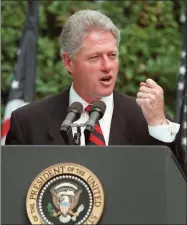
151 42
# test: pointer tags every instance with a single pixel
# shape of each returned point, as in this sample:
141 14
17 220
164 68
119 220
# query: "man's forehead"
99 38
98 41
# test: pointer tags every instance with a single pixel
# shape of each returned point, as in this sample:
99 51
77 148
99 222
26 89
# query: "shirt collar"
108 100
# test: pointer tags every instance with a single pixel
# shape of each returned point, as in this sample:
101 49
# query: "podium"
142 184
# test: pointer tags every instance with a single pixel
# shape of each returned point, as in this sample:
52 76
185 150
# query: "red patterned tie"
96 137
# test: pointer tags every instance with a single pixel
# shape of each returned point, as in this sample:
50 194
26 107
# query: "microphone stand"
86 135
77 136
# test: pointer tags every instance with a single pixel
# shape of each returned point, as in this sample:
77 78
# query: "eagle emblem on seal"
65 198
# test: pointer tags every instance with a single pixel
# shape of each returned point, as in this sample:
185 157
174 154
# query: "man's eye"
113 56
94 57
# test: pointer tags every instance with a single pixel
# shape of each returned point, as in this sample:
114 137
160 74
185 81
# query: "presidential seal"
65 193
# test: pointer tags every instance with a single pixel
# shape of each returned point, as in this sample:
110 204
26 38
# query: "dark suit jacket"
38 123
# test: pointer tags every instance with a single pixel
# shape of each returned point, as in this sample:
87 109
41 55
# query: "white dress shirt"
165 133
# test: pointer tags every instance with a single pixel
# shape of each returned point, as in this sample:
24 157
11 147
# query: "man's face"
95 68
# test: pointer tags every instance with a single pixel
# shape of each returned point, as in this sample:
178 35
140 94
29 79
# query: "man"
90 44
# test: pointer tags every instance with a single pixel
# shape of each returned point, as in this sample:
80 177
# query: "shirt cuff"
164 133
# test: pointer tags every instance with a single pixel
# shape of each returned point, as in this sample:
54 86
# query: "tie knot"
87 109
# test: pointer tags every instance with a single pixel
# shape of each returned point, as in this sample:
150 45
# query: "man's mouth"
106 79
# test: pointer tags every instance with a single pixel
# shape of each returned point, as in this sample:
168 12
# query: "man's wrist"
158 122
165 133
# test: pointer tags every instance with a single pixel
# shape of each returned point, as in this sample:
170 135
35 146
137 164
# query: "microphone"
96 113
73 113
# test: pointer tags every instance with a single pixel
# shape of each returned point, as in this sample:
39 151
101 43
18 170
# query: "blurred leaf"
151 42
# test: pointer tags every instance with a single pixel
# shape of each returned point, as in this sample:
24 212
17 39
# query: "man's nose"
105 64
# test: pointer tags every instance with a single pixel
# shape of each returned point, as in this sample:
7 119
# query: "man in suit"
90 42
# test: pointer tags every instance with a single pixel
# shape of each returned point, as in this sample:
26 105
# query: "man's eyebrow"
98 53
113 51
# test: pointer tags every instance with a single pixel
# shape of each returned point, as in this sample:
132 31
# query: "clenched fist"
151 100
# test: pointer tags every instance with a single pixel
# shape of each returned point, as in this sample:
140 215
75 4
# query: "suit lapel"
57 116
121 127
120 132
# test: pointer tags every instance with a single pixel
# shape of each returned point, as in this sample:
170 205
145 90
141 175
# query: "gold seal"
65 193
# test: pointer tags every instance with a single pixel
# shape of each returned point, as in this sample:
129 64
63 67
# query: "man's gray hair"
79 24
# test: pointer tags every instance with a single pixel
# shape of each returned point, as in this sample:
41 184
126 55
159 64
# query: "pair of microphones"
74 112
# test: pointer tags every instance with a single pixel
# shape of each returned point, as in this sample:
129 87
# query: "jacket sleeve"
175 147
178 151
15 134
144 138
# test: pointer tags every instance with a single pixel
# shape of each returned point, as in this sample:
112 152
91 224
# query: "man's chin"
105 94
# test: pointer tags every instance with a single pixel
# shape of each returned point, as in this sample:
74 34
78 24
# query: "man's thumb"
151 83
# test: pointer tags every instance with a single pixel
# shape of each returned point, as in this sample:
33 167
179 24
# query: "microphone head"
100 107
77 108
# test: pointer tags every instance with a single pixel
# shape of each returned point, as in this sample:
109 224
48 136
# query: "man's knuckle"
161 91
142 88
153 97
154 91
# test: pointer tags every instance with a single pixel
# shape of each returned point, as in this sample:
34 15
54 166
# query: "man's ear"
67 61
